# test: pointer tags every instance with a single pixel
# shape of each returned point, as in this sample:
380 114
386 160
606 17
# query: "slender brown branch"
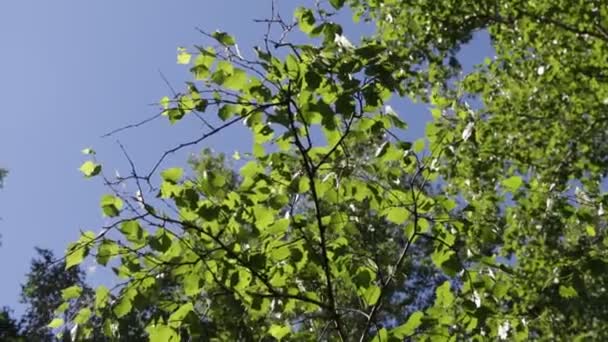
205 136
310 172
135 125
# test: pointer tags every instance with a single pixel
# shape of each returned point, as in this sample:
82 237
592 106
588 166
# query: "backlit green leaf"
236 81
83 316
408 329
55 323
111 205
371 295
90 169
337 4
397 215
75 255
71 292
183 57
512 183
123 307
279 331
165 102
305 19
179 315
223 38
102 297
172 175
162 333
567 291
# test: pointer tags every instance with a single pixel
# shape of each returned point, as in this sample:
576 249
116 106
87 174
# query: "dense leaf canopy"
335 227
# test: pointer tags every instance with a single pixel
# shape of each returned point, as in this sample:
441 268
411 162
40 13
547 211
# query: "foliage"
335 225
50 292
3 173
47 286
9 327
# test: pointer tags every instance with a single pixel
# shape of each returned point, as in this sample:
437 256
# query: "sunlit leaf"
90 169
56 323
111 205
224 38
408 329
172 175
183 57
279 331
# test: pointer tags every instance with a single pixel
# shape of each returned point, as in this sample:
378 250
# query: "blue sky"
72 70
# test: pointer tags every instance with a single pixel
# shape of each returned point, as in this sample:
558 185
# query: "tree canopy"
335 227
3 173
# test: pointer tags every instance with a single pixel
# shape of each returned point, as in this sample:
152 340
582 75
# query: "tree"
3 173
530 161
50 290
500 206
9 327
47 286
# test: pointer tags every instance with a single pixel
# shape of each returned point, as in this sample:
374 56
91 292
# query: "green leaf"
240 279
512 183
75 255
279 331
303 185
567 292
258 150
62 308
107 250
364 277
280 254
183 57
83 316
337 4
371 295
419 145
251 169
55 323
192 284
174 114
187 103
176 318
408 329
102 297
226 112
88 151
123 307
264 216
441 256
162 333
160 242
397 215
90 169
223 38
71 292
165 102
278 227
444 296
381 336
236 81
132 231
172 175
305 19
111 205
